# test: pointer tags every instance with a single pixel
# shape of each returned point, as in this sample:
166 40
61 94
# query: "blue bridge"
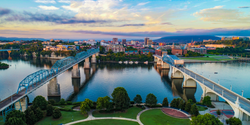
41 77
239 104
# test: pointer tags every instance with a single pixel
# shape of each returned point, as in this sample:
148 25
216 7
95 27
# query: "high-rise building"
115 40
146 41
124 41
150 42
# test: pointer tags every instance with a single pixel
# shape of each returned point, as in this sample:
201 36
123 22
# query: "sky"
135 19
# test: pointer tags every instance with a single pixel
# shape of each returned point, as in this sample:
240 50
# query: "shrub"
188 106
218 112
138 99
151 99
86 106
15 117
194 110
39 114
132 102
56 113
30 116
165 102
69 103
207 101
62 102
206 119
174 103
40 102
52 101
49 110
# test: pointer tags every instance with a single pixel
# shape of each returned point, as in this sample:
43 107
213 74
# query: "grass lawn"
130 113
200 108
66 118
157 117
108 122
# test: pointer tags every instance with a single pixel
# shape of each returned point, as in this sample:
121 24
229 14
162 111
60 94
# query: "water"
136 79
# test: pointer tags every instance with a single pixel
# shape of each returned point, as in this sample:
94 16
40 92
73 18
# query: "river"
136 79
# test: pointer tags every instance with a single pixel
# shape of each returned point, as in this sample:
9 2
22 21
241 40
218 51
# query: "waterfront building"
146 41
201 50
115 48
179 50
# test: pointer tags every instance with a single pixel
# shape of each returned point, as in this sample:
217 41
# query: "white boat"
136 62
120 62
126 62
146 62
131 62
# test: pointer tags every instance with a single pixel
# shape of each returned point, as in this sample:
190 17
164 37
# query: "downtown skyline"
105 19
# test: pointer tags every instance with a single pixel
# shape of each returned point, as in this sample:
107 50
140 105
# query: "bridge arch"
177 75
190 83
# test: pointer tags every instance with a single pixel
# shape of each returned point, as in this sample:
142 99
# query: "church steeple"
173 46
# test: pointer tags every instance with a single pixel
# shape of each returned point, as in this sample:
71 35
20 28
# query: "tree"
120 98
15 117
30 116
102 49
39 114
194 110
40 102
181 103
86 106
174 103
56 113
49 110
102 102
218 112
234 121
207 101
138 99
62 102
151 99
165 102
206 119
188 106
52 101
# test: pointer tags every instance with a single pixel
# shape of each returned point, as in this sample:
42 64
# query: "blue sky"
87 19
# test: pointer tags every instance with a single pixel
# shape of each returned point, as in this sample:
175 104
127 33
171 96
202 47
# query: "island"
4 65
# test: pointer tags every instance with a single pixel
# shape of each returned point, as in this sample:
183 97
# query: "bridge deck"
15 97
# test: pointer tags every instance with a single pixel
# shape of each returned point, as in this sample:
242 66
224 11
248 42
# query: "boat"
215 72
146 62
136 62
120 62
131 62
126 62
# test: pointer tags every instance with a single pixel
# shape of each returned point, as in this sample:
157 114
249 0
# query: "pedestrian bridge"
41 77
239 104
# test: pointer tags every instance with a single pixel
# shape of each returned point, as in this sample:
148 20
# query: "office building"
146 41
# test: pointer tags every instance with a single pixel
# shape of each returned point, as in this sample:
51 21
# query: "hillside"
185 39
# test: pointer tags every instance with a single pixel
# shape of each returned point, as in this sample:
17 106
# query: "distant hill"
19 39
185 39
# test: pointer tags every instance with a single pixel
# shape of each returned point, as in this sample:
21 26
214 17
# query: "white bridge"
239 104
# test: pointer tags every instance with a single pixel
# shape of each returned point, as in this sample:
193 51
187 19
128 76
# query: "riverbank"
139 62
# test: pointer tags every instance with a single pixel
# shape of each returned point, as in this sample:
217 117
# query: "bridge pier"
93 66
22 104
76 85
164 72
165 65
86 63
54 90
87 73
93 59
76 72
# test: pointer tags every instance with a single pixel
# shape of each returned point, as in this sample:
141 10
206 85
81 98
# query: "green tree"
206 119
120 98
138 99
234 121
15 117
30 116
207 101
165 102
86 106
194 110
218 112
151 99
174 103
40 102
52 101
188 106
102 102
102 49
181 103
49 110
62 102
56 113
39 114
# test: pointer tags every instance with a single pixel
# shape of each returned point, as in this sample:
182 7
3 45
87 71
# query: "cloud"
64 1
45 1
219 14
167 23
4 11
244 7
132 25
142 4
48 7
